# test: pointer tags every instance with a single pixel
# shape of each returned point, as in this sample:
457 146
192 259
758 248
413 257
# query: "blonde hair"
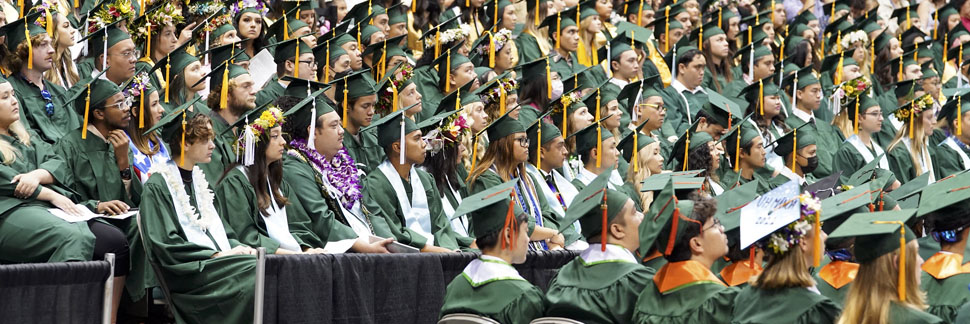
540 34
843 123
62 62
875 287
918 144
643 172
786 270
7 150
588 39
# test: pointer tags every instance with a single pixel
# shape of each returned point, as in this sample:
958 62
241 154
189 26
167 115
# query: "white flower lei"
856 36
450 35
204 196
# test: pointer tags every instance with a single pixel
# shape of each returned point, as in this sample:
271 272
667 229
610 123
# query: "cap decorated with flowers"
445 129
139 86
248 6
394 83
780 219
166 13
269 116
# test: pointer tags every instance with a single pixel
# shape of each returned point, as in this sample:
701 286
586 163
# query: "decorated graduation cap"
595 207
953 110
785 232
449 60
877 234
139 86
160 15
496 91
354 85
444 33
486 48
592 137
910 111
492 210
92 93
391 85
740 135
172 126
240 7
795 140
19 31
729 204
255 122
666 212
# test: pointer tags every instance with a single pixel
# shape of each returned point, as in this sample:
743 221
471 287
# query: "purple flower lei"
341 172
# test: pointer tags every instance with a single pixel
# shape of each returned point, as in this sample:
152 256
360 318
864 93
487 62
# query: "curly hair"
215 95
698 159
15 60
195 131
704 209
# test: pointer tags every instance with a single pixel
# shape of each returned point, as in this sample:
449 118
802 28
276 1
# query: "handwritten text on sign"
769 212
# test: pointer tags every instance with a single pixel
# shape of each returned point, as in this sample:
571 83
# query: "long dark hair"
428 56
803 50
723 69
698 158
444 165
535 91
763 125
258 174
884 72
426 14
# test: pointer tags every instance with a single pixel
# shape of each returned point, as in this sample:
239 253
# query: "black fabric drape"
68 292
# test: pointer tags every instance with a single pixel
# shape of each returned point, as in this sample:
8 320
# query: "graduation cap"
18 31
595 207
450 60
459 98
797 139
383 51
591 137
740 135
354 85
665 214
684 183
911 187
858 105
539 67
91 92
284 27
496 91
946 193
834 7
835 63
599 98
635 91
753 52
364 11
543 132
729 205
704 31
171 126
897 65
325 54
877 234
241 7
825 187
691 140
488 45
138 86
301 5
720 110
433 36
798 80
635 7
308 110
756 92
502 127
631 142
492 210
662 25
392 128
953 110
870 172
905 14
176 61
494 10
559 22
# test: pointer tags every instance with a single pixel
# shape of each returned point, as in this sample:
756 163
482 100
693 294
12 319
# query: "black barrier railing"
66 292
366 288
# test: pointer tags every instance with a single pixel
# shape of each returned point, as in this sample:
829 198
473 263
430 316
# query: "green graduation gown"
30 233
951 157
902 165
528 47
598 287
493 288
364 149
827 137
33 111
426 79
204 289
270 92
315 200
224 154
849 160
490 179
945 287
788 305
909 315
685 292
730 178
384 212
236 200
677 109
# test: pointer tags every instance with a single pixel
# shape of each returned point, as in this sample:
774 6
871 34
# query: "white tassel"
401 157
104 54
249 147
207 46
313 120
794 87
636 102
673 61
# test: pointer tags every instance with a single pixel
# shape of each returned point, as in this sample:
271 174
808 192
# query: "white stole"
277 226
417 216
194 233
963 155
926 165
460 224
864 151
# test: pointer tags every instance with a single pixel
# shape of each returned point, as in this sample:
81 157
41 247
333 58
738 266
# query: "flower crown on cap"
569 99
138 83
852 89
217 22
270 118
400 76
205 8
110 13
43 7
168 14
451 35
492 96
919 105
853 37
241 5
781 241
501 38
449 132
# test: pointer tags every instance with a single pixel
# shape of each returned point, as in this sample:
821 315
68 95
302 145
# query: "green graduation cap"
594 203
869 172
631 142
721 110
560 21
616 47
953 110
107 36
354 85
834 7
904 16
946 193
491 210
898 65
502 127
303 5
665 214
664 24
705 31
862 102
837 208
170 126
800 79
634 92
449 60
459 98
729 204
634 7
382 52
494 11
284 27
877 234
740 135
592 137
690 140
308 110
797 139
389 128
540 67
683 182
362 12
911 187
543 133
753 52
92 92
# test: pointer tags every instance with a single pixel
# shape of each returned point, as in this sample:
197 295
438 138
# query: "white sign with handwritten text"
769 212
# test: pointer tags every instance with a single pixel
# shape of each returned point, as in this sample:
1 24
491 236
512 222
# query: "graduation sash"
487 269
673 276
839 273
459 224
277 226
417 216
963 155
926 165
594 255
866 154
943 265
213 234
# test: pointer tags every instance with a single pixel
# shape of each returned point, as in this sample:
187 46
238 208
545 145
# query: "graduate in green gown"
332 199
602 283
685 96
232 93
400 200
945 276
746 154
742 264
807 101
786 283
531 43
547 155
505 160
953 153
184 79
563 31
691 239
910 151
355 96
209 273
489 286
860 148
799 152
288 64
43 104
596 147
886 249
252 194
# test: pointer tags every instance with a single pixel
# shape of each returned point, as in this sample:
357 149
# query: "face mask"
556 89
811 166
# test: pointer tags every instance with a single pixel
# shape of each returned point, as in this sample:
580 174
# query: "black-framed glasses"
715 224
48 102
309 63
523 141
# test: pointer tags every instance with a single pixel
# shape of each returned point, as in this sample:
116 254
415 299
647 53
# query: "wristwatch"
126 174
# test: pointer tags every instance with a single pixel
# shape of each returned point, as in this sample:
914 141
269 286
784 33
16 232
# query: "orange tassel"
673 229
141 109
87 109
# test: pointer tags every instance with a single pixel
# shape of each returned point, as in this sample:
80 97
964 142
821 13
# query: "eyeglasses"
716 224
129 54
126 102
657 107
309 63
48 102
523 141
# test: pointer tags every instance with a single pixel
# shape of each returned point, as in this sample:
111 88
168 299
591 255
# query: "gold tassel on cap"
603 208
817 245
794 150
87 109
502 97
345 103
491 50
141 108
296 59
437 42
901 286
447 68
538 146
168 70
856 121
326 66
224 91
394 102
666 29
912 116
30 47
636 152
599 133
49 22
737 152
558 33
537 14
959 115
640 15
182 156
549 88
148 45
686 146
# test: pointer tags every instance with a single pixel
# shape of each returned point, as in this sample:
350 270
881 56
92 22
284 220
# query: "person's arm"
379 204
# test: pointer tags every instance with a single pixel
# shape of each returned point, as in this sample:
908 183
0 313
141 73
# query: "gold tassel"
794 150
224 91
474 150
640 15
141 10
182 156
437 42
872 55
912 116
549 87
141 109
817 248
394 102
345 104
326 65
447 68
837 79
502 97
168 70
491 50
700 38
458 99
667 30
286 28
686 146
76 4
148 45
49 22
30 47
495 17
537 21
636 151
737 152
959 115
296 60
87 109
558 33
901 288
720 12
539 146
20 4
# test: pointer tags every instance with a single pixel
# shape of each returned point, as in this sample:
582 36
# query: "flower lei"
117 11
449 132
200 186
853 37
569 99
168 14
384 103
241 5
451 35
918 106
205 8
852 89
43 7
501 38
217 22
784 238
138 82
341 172
493 94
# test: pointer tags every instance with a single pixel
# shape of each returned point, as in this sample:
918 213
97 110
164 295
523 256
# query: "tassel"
959 115
817 249
605 221
936 17
491 50
558 33
168 70
296 61
837 79
448 71
400 159
686 146
49 22
856 121
902 262
474 150
394 102
599 133
148 39
700 38
87 110
667 33
751 257
912 112
437 42
673 229
872 55
640 15
326 65
30 47
509 224
502 98
761 100
495 17
537 21
737 153
538 146
772 12
345 104
141 10
794 150
224 91
20 4
636 152
720 12
781 52
182 144
549 88
458 99
249 145
141 109
76 4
